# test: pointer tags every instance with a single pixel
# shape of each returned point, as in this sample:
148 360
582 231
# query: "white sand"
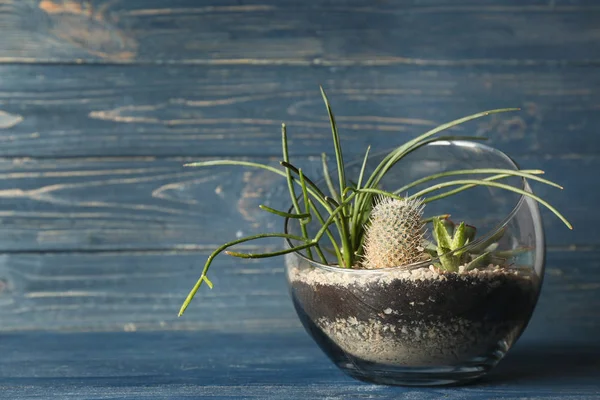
345 278
421 342
418 343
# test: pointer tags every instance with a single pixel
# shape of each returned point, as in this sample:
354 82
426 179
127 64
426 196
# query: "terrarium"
433 301
416 266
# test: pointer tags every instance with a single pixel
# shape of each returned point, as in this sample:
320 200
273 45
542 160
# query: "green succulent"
450 238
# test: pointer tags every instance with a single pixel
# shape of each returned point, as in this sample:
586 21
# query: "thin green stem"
305 198
380 192
283 213
211 163
530 174
478 182
290 182
336 248
309 182
325 201
306 221
327 177
347 250
332 201
347 255
430 219
203 277
462 188
390 160
272 254
336 143
315 192
362 168
354 228
320 254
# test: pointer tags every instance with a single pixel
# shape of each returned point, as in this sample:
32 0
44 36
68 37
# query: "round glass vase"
416 324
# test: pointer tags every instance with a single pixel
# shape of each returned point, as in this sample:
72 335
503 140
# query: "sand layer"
416 318
421 343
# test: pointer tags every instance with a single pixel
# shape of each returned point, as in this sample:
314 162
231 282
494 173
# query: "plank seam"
210 247
317 62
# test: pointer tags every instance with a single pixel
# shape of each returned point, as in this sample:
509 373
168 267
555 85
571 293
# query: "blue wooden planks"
102 232
320 32
265 366
194 111
135 204
143 291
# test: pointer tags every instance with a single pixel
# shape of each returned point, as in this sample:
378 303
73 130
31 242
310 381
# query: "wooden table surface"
103 231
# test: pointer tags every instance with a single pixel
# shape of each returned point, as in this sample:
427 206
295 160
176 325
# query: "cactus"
395 233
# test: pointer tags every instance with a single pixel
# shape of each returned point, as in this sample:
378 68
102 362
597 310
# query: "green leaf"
483 246
430 248
311 184
442 217
379 192
479 261
459 238
322 221
399 152
479 182
470 232
314 190
511 253
332 217
208 282
362 168
336 142
327 177
283 213
203 278
529 174
441 235
306 205
449 225
449 262
272 254
290 183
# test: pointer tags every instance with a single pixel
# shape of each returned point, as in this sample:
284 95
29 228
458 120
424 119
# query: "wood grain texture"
77 111
340 32
265 366
147 203
142 291
103 232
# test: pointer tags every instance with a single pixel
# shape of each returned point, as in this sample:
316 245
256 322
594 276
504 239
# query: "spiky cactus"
395 233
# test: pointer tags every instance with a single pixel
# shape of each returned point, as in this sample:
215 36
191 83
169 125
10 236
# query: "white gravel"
345 277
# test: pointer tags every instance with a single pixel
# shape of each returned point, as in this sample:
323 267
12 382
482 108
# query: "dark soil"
494 298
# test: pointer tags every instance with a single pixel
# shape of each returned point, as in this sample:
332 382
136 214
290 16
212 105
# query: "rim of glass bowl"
501 225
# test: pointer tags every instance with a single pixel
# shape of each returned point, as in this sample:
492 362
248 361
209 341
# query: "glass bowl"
418 325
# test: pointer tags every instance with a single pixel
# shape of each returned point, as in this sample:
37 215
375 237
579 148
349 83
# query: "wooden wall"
101 102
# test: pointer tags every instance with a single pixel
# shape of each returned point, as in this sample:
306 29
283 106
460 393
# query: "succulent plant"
349 207
395 233
450 239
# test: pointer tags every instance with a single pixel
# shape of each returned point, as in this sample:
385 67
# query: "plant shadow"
547 363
